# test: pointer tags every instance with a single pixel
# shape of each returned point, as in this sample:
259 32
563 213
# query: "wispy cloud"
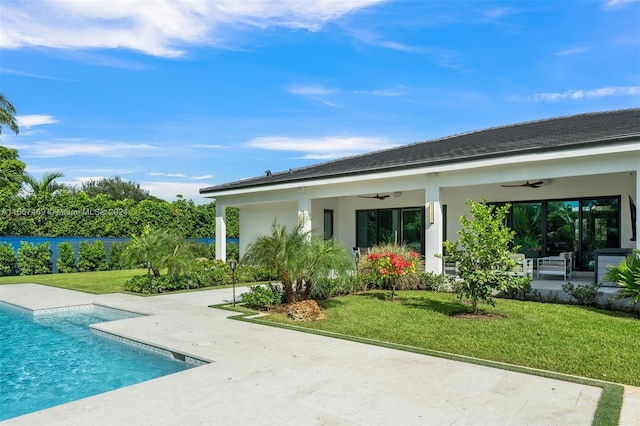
572 51
31 75
156 27
400 47
210 146
614 4
309 90
396 91
322 148
497 12
88 148
180 175
29 121
581 94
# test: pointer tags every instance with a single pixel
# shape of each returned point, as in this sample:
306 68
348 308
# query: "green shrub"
209 273
92 257
252 273
142 284
115 256
521 293
338 286
65 262
34 259
263 297
627 276
432 281
7 259
233 251
587 295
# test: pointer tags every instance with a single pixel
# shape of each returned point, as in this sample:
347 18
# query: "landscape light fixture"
233 265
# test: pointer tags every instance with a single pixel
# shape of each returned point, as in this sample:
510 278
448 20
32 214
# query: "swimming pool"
50 359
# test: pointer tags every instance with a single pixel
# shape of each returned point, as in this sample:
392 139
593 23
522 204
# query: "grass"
573 340
99 282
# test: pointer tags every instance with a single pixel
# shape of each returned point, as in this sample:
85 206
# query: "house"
572 183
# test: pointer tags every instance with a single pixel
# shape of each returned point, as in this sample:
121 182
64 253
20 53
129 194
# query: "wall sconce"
431 213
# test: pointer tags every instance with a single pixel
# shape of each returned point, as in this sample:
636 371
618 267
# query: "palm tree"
297 259
46 185
7 115
150 247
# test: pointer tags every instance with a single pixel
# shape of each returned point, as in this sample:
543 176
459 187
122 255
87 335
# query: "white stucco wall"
256 219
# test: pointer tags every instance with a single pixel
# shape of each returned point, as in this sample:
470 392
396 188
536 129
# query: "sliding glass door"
547 228
401 226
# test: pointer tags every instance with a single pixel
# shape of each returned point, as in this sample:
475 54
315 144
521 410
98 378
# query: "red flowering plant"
396 266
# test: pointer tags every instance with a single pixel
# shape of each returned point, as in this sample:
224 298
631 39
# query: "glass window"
382 226
328 224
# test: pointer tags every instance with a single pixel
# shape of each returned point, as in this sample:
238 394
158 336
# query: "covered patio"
572 183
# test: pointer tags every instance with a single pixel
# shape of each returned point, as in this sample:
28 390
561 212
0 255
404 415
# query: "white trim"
502 161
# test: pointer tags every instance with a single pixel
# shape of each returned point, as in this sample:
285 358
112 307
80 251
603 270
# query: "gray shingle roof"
563 133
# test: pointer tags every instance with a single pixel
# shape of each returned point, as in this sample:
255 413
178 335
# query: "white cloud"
612 4
572 51
169 190
29 121
397 91
201 177
157 27
594 93
93 148
210 146
400 47
309 90
322 148
497 12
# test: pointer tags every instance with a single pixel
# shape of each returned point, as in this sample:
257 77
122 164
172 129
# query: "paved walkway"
262 375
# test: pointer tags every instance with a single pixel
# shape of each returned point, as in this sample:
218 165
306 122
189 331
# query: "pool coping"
75 413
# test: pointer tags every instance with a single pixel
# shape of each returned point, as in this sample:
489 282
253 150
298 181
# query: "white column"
304 214
221 232
433 228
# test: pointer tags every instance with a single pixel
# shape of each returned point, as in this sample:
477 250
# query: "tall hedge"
77 214
34 259
66 260
7 259
92 257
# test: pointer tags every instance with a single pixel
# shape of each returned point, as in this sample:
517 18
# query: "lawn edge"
609 405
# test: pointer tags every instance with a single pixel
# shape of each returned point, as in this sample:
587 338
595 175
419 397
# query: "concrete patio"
261 375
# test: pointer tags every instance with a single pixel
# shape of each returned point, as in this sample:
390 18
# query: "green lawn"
574 340
93 282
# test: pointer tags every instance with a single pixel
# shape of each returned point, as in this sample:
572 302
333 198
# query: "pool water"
47 360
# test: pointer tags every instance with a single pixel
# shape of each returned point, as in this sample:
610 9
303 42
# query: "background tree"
482 254
7 115
116 189
11 172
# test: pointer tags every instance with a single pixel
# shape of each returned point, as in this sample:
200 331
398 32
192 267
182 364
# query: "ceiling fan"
527 184
378 196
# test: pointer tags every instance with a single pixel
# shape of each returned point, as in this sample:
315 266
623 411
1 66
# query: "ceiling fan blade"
527 184
377 196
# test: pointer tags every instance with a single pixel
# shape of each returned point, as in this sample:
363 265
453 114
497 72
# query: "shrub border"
609 404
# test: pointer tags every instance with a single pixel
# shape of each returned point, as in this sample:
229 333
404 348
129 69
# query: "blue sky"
183 94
